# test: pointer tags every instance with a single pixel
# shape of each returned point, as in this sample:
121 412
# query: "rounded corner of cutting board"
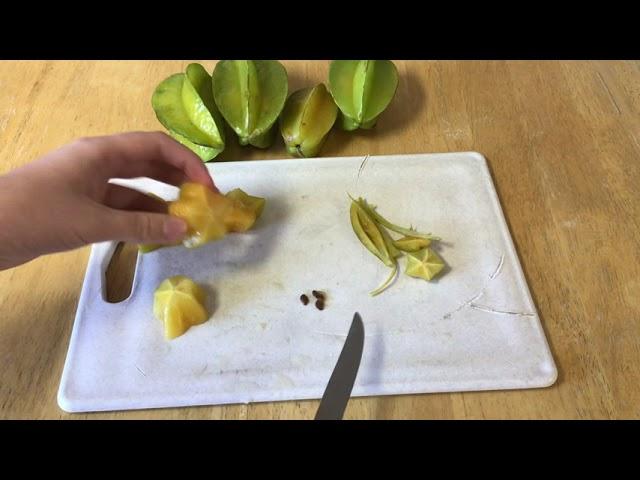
67 399
550 375
478 156
64 401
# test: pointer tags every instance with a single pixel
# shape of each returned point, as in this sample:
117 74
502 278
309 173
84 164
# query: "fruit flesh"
425 264
204 211
255 204
210 215
179 305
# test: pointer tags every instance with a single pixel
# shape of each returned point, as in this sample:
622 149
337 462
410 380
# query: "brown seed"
304 299
318 295
320 304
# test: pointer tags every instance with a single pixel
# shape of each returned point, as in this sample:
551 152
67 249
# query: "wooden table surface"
563 143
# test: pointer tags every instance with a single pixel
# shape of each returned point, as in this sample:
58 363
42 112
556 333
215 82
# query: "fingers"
124 198
137 227
148 154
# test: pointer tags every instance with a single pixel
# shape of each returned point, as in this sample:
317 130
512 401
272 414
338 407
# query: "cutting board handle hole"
120 272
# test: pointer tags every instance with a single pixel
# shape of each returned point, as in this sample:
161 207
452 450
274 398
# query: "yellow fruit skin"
307 118
179 305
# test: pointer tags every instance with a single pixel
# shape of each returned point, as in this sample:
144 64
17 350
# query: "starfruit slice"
307 117
362 89
179 304
211 215
255 204
204 211
245 212
424 264
250 95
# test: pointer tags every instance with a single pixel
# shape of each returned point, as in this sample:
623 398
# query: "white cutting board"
475 328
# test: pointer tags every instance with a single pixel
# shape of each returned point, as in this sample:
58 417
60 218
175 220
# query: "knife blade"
338 391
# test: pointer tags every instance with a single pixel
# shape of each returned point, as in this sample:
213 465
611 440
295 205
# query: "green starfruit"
362 89
250 95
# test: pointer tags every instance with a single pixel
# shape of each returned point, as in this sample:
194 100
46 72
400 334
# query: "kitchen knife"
338 391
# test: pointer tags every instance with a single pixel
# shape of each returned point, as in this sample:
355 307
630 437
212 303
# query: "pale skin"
63 201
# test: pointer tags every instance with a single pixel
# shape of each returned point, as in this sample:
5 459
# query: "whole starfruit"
184 105
362 89
250 95
306 120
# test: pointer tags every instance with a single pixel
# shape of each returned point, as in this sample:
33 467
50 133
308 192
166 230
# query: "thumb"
143 227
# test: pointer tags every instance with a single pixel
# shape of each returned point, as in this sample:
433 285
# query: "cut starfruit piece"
179 305
255 204
425 264
211 215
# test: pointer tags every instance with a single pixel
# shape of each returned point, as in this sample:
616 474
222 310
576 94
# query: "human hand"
63 200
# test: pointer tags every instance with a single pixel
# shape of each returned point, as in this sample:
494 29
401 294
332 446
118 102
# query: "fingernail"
175 229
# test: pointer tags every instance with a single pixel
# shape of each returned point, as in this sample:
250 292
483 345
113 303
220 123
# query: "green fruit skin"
206 154
362 89
308 150
301 151
348 124
306 121
264 140
250 95
294 151
167 104
197 99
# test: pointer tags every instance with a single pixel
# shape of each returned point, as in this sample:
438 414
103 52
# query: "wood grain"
563 143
